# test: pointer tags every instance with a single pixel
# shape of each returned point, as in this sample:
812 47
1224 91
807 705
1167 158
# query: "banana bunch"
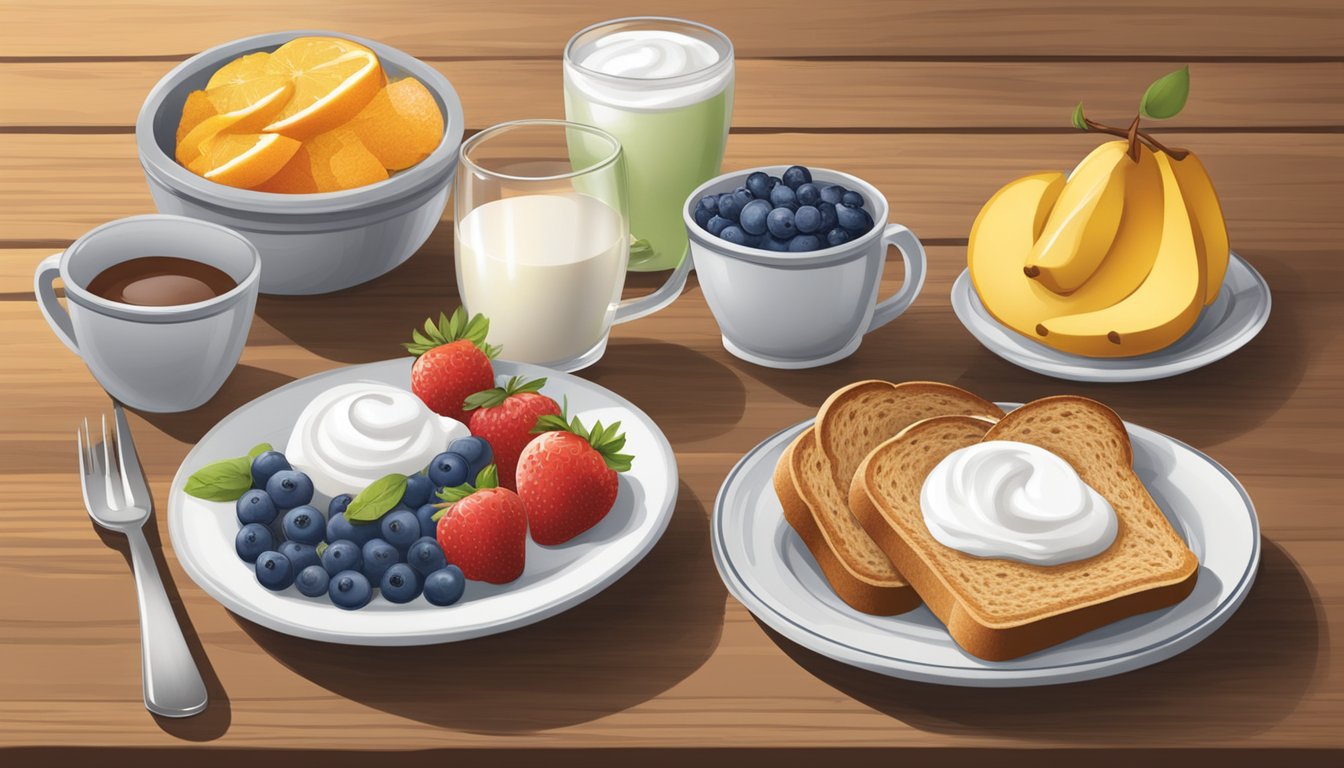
1114 260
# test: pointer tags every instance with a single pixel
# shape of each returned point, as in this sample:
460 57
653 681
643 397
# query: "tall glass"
664 88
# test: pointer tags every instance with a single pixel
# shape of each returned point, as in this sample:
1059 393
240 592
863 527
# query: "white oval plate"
1226 325
555 578
768 568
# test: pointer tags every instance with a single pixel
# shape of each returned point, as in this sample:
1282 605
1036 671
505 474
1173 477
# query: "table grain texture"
936 103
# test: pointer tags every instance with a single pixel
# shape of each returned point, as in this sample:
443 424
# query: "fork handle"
172 683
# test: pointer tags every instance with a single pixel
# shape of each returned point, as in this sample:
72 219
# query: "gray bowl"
308 243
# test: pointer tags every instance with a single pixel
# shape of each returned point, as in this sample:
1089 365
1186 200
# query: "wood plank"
776 93
1280 192
906 28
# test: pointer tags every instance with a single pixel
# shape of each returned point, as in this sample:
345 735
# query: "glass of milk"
664 88
543 240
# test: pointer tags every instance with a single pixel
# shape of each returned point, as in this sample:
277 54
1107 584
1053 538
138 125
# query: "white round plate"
555 578
768 568
1226 325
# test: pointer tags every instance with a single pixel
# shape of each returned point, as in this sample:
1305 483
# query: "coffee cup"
802 310
160 359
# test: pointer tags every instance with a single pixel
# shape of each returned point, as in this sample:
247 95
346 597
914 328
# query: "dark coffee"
161 281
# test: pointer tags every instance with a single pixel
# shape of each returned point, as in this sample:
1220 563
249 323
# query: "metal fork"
117 498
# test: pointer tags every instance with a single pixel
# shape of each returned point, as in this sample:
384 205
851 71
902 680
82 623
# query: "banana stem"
1147 139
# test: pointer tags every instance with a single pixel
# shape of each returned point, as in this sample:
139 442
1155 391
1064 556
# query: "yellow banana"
1206 216
1084 221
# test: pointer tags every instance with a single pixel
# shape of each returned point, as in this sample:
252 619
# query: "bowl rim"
836 253
435 169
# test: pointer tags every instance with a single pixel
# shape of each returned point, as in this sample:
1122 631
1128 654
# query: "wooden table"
938 104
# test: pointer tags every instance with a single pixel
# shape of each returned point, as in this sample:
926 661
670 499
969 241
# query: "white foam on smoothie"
630 65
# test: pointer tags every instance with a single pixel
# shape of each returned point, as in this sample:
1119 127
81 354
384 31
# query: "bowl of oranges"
333 154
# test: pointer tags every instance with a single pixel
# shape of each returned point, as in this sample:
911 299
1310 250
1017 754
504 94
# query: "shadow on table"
244 384
697 398
639 637
214 721
1246 677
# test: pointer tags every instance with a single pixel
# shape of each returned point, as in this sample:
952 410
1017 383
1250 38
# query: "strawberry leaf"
606 440
488 477
489 398
456 493
620 462
550 423
449 329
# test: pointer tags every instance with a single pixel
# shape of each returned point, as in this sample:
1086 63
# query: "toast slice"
852 563
1001 609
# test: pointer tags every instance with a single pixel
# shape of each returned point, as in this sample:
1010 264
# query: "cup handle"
912 253
57 317
633 309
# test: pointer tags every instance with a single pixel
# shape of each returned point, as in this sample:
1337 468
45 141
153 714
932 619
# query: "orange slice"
196 109
244 81
243 159
333 80
341 161
249 119
401 125
295 178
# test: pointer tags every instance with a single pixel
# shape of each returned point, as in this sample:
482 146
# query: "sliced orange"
333 80
295 178
341 161
243 159
196 109
249 119
243 81
401 125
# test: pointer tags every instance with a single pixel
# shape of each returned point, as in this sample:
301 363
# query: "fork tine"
133 477
111 474
88 466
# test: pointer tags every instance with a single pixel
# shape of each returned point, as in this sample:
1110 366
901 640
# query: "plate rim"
1077 671
1080 368
663 518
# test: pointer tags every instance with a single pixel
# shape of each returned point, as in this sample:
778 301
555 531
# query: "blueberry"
852 199
338 505
742 195
300 555
418 489
838 236
476 451
735 235
425 555
807 219
350 590
796 176
717 225
312 581
400 528
730 207
255 506
252 540
759 184
804 243
305 525
340 527
709 203
267 464
445 586
775 181
753 217
289 489
449 470
274 571
772 243
828 221
832 193
400 584
343 555
783 196
702 217
780 223
808 194
378 557
852 219
425 517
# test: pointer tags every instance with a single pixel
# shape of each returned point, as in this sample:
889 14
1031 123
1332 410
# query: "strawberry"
452 361
505 417
483 530
567 477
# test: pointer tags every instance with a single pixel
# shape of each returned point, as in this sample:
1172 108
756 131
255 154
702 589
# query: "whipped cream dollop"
1017 501
633 62
353 434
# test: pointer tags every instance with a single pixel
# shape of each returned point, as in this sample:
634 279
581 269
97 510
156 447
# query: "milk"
547 269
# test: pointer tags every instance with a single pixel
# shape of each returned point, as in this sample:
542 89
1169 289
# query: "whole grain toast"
1001 609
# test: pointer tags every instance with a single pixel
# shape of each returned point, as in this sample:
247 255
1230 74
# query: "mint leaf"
377 500
225 480
1165 98
259 449
1079 121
